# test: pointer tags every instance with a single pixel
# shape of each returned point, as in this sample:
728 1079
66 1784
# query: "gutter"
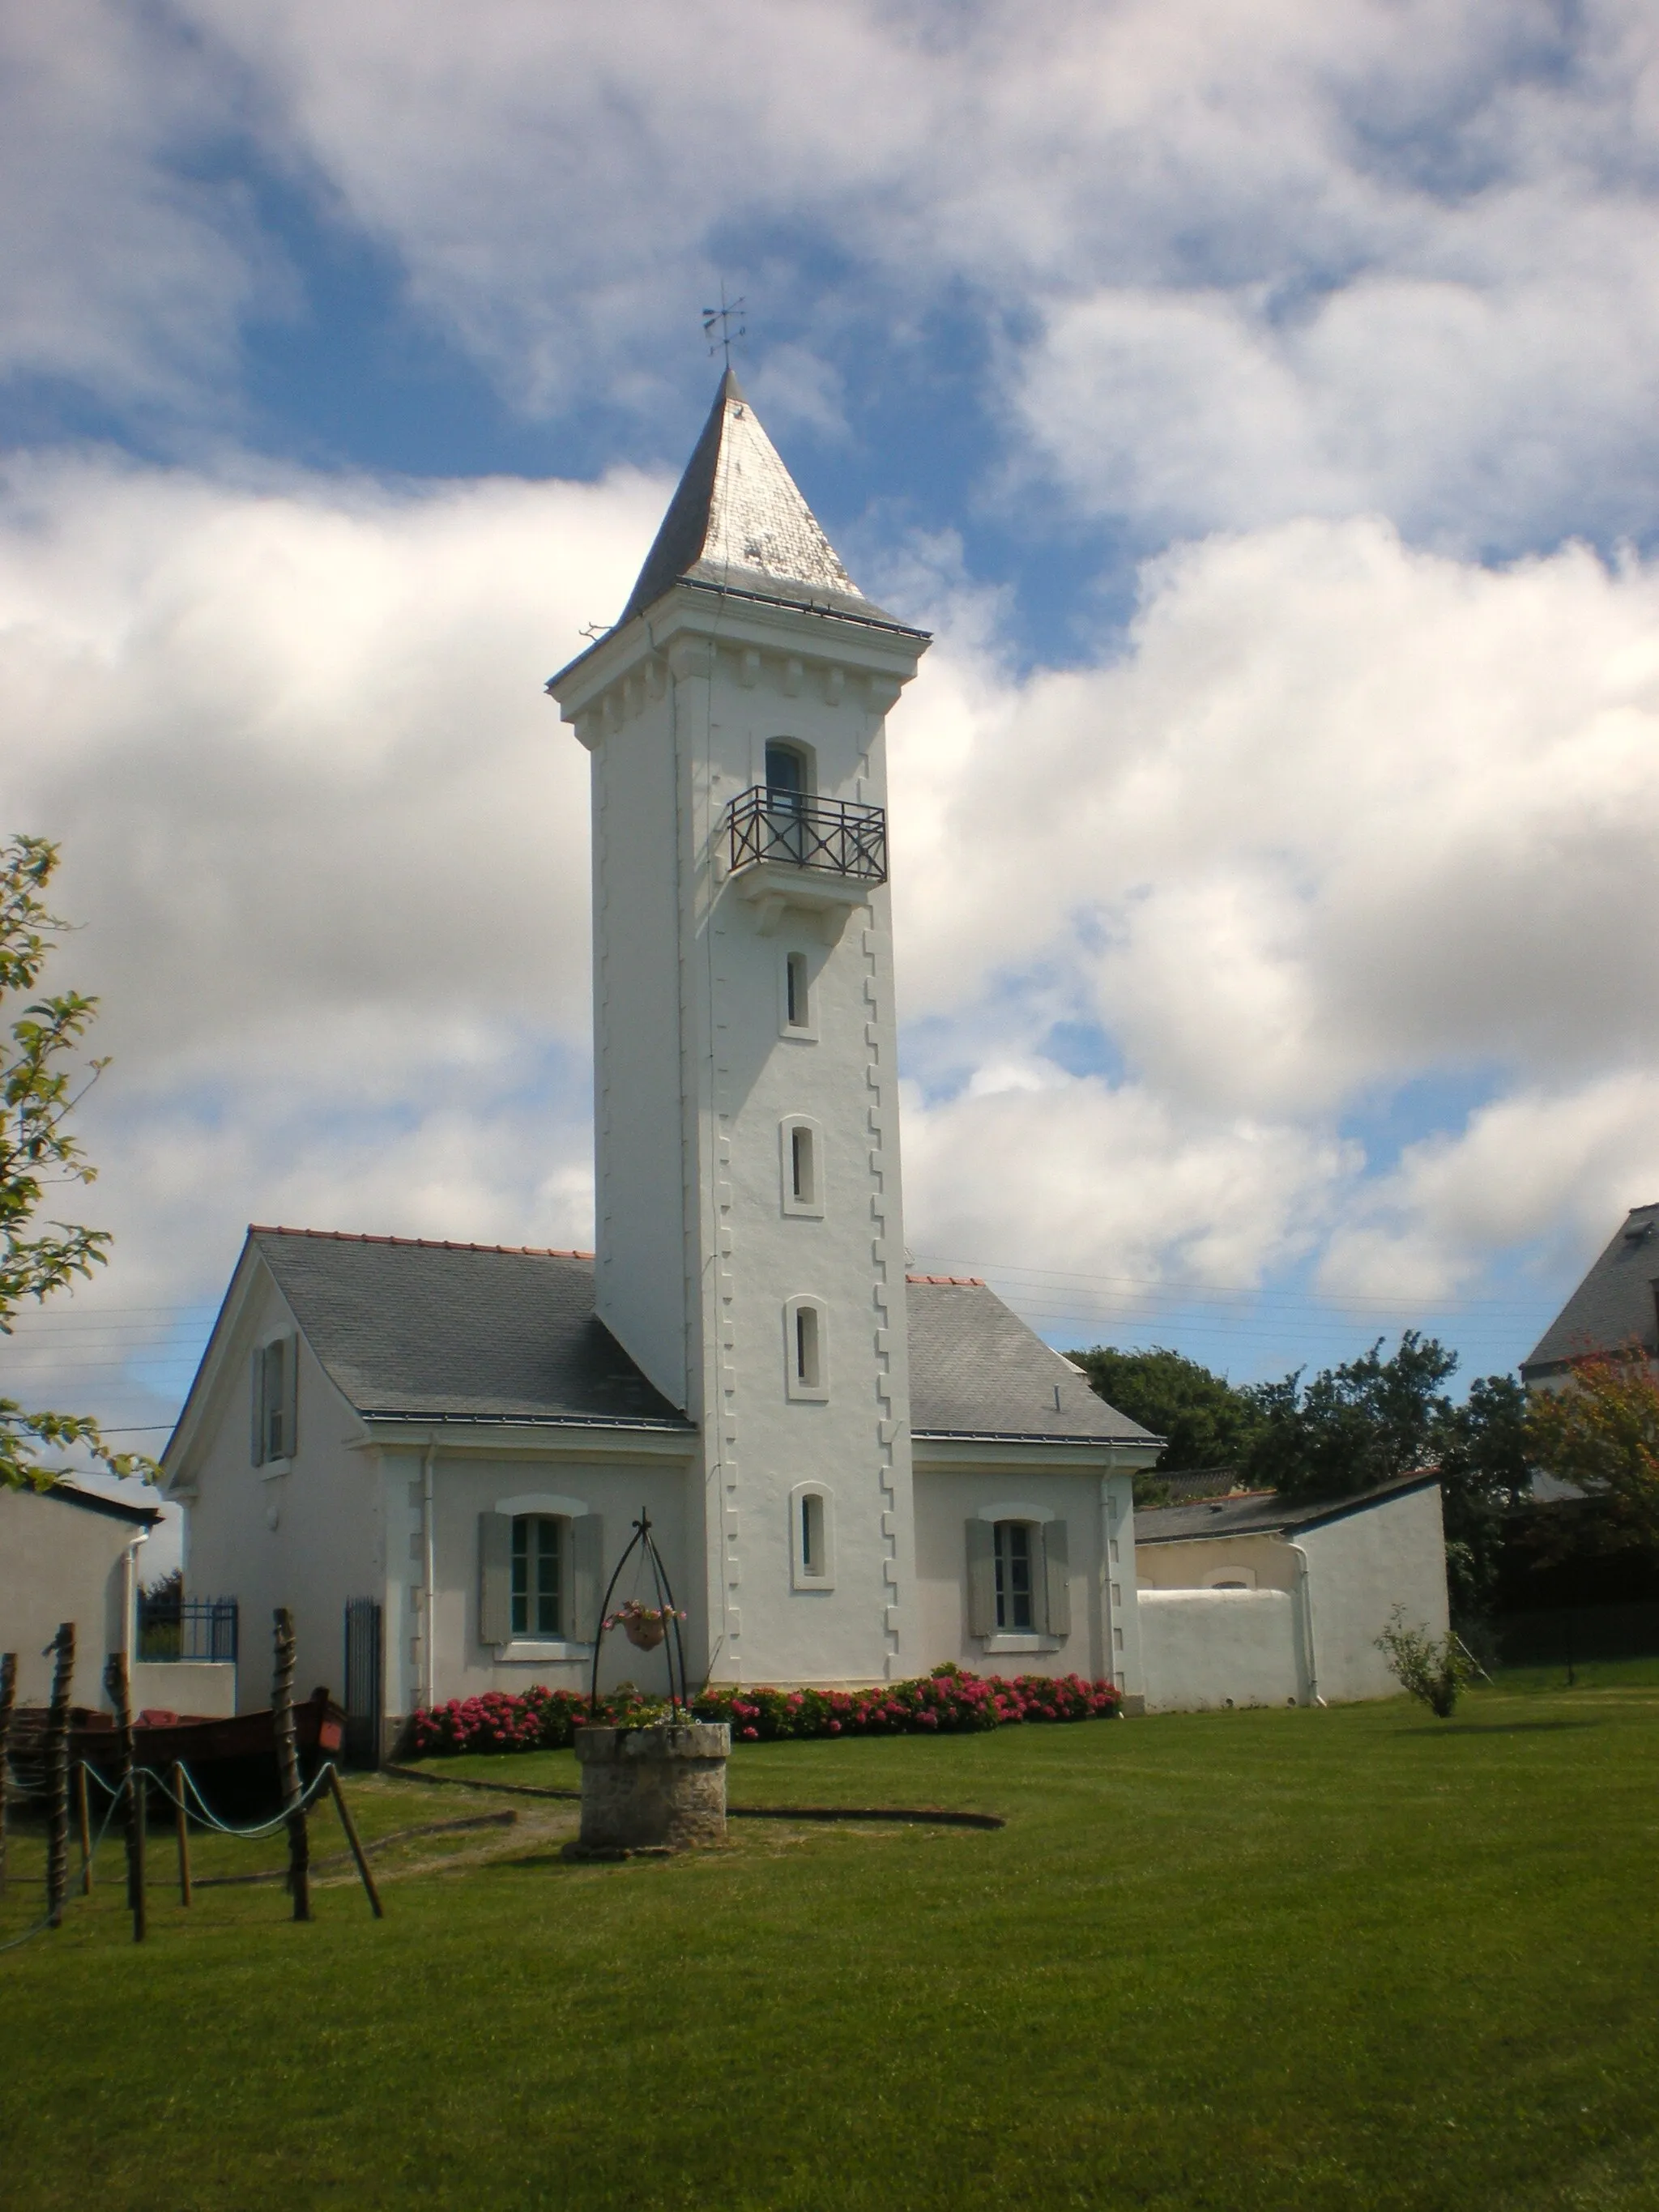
130 1602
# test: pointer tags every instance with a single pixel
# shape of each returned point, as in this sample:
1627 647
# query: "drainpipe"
130 1600
428 1579
1304 1591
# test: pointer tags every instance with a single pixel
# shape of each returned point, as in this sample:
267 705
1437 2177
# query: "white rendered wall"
59 1562
1360 1568
308 1536
1208 1647
469 1484
715 683
640 1224
1102 1642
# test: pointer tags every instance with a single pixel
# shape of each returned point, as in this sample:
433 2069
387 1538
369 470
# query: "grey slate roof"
1263 1512
468 1332
738 522
1614 1304
459 1332
977 1370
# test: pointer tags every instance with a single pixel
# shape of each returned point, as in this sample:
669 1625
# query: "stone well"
653 1788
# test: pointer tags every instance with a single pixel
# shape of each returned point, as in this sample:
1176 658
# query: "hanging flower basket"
644 1626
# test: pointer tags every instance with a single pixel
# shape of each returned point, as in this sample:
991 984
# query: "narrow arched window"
812 1533
801 1149
806 1350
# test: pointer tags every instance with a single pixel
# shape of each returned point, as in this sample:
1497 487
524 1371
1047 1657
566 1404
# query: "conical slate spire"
738 521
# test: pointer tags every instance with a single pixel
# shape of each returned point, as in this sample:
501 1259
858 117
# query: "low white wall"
205 1688
1204 1648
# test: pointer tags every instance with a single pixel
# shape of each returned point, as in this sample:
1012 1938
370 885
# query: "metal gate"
364 1678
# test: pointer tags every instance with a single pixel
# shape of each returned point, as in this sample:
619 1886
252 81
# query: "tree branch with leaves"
40 1086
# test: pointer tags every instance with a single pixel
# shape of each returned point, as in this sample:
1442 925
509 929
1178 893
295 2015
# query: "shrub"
1433 1671
946 1702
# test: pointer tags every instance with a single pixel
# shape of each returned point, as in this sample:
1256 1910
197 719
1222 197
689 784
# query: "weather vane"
717 325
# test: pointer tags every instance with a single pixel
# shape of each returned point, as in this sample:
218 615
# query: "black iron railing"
837 835
195 1628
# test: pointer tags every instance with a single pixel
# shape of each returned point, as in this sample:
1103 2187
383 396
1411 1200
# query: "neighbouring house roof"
977 1370
93 1501
1614 1305
738 522
412 1329
1264 1513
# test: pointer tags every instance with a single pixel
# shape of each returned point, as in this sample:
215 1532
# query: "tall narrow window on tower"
800 1160
796 993
806 1349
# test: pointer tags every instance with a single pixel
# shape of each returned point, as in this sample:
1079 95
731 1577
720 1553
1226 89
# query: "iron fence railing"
837 835
192 1628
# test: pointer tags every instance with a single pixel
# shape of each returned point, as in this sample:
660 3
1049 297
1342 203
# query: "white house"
436 1451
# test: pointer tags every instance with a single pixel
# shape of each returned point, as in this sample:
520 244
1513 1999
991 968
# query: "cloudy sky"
1261 402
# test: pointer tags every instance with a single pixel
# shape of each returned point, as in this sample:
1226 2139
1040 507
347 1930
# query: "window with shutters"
538 1586
1018 1579
540 1578
275 1392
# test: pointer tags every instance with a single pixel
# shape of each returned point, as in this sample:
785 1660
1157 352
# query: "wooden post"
58 1722
132 1809
183 1831
83 1822
288 1765
7 1700
358 1852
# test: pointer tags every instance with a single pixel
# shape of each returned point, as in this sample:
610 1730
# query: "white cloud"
1344 816
326 840
1238 265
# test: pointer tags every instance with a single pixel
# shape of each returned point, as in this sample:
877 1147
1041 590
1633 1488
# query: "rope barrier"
16 1943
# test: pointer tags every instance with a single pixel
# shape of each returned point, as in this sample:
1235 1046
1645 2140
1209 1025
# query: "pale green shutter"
1057 1579
587 1576
494 1578
255 1392
982 1578
290 1396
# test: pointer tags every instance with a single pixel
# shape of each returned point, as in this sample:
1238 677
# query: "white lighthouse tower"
750 1231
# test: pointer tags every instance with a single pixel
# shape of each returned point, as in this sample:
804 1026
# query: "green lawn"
1355 1957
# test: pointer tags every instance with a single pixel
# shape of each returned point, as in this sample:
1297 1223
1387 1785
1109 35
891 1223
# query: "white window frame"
796 1386
811 1207
801 1577
549 1505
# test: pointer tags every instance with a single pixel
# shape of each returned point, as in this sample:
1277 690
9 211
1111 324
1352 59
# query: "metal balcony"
836 836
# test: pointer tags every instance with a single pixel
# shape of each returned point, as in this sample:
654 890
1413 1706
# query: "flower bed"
946 1702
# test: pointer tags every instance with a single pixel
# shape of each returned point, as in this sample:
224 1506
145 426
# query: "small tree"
38 1094
1601 1432
1432 1670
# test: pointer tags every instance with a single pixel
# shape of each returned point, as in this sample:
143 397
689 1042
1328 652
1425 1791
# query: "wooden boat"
232 1761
